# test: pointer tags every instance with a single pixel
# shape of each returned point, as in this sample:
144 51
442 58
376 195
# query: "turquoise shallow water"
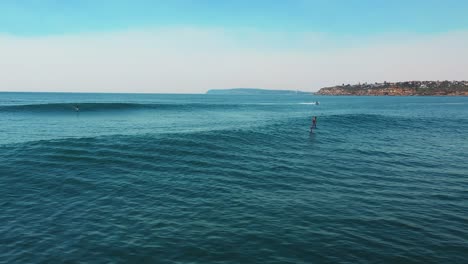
232 179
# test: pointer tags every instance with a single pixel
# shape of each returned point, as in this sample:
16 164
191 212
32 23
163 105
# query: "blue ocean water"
148 178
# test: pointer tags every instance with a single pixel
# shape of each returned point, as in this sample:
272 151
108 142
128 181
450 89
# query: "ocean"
161 178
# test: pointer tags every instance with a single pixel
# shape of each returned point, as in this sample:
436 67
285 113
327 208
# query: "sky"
190 46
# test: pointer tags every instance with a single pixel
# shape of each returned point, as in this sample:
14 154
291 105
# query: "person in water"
314 122
77 109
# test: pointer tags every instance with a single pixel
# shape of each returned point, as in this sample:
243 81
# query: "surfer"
316 103
77 109
314 124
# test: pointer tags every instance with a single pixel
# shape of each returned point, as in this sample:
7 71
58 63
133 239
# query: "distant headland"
254 91
410 88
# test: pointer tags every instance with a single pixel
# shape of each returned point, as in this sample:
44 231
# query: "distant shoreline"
254 91
370 95
410 88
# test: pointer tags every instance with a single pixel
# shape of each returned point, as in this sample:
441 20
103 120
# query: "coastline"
410 88
392 95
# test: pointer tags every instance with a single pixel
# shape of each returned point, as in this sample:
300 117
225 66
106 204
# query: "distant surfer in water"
77 109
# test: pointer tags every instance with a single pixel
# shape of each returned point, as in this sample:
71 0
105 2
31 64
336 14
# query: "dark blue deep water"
232 179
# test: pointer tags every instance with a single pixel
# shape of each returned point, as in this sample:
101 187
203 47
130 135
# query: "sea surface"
159 178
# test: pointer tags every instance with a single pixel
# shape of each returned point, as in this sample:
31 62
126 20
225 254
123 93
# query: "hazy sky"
178 46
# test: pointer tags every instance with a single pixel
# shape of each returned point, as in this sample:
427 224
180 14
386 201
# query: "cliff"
434 88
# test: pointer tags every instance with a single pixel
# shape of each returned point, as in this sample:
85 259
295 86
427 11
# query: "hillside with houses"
410 88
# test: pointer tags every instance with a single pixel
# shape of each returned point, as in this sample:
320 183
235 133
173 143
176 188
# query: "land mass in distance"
254 91
410 88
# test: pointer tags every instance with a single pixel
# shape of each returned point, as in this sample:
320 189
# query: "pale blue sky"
194 45
38 17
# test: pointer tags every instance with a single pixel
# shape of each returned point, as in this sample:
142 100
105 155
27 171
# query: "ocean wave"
103 107
71 107
117 106
223 192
